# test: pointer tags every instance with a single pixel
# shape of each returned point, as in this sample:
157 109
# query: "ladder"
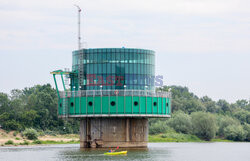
80 69
65 107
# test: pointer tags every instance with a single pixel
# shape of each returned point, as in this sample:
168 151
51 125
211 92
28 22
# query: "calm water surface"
155 151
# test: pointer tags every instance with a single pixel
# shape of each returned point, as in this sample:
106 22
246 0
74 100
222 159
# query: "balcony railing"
93 93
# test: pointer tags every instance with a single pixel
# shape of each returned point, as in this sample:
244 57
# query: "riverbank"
14 138
179 137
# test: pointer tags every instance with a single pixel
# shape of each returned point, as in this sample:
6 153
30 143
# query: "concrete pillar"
113 132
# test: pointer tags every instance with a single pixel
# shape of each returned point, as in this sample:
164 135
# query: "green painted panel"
72 105
89 106
77 105
105 105
164 105
136 107
83 105
155 107
120 105
128 104
114 107
169 105
142 104
97 105
60 104
149 105
59 108
160 100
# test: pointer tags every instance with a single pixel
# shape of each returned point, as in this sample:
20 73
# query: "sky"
204 45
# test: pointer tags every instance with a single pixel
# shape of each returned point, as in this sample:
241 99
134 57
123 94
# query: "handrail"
92 93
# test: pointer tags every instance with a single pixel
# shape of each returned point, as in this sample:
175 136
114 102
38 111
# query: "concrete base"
113 132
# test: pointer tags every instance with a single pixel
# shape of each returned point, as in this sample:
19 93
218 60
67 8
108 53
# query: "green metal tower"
112 90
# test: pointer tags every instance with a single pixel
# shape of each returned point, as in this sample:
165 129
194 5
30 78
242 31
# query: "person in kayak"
111 151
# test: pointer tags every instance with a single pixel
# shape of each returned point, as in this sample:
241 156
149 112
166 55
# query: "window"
131 58
91 68
113 57
88 68
118 57
113 68
139 68
87 58
95 68
109 57
109 68
126 68
130 68
91 58
99 58
104 56
122 68
104 69
136 58
99 68
135 68
122 59
95 58
126 57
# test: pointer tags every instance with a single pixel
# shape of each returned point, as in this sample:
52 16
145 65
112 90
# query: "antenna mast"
81 53
79 26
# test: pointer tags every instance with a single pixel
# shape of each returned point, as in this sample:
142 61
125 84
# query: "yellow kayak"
116 153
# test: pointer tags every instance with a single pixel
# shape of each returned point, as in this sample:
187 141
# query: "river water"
155 151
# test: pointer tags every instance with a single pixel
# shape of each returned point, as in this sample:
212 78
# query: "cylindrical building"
136 66
112 90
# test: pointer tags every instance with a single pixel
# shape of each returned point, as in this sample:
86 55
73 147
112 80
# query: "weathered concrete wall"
113 132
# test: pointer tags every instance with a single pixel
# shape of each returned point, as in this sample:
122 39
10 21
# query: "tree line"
204 117
36 107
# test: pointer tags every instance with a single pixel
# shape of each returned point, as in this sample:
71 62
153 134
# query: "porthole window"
112 103
135 103
90 103
72 104
155 103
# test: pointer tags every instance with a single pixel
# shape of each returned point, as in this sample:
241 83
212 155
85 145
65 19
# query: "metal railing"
93 93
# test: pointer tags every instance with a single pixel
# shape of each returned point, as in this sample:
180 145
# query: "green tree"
209 104
31 134
224 105
204 125
247 129
181 122
157 127
242 103
242 115
235 132
4 103
225 121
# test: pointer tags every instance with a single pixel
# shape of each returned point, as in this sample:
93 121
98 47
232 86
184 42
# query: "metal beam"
54 76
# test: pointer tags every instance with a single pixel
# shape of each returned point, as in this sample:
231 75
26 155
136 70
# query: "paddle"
116 148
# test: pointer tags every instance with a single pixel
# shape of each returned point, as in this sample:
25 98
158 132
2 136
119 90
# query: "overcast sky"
201 44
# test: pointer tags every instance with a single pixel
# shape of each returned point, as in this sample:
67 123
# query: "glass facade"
115 68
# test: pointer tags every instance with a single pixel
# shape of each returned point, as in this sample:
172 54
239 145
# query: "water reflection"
155 152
